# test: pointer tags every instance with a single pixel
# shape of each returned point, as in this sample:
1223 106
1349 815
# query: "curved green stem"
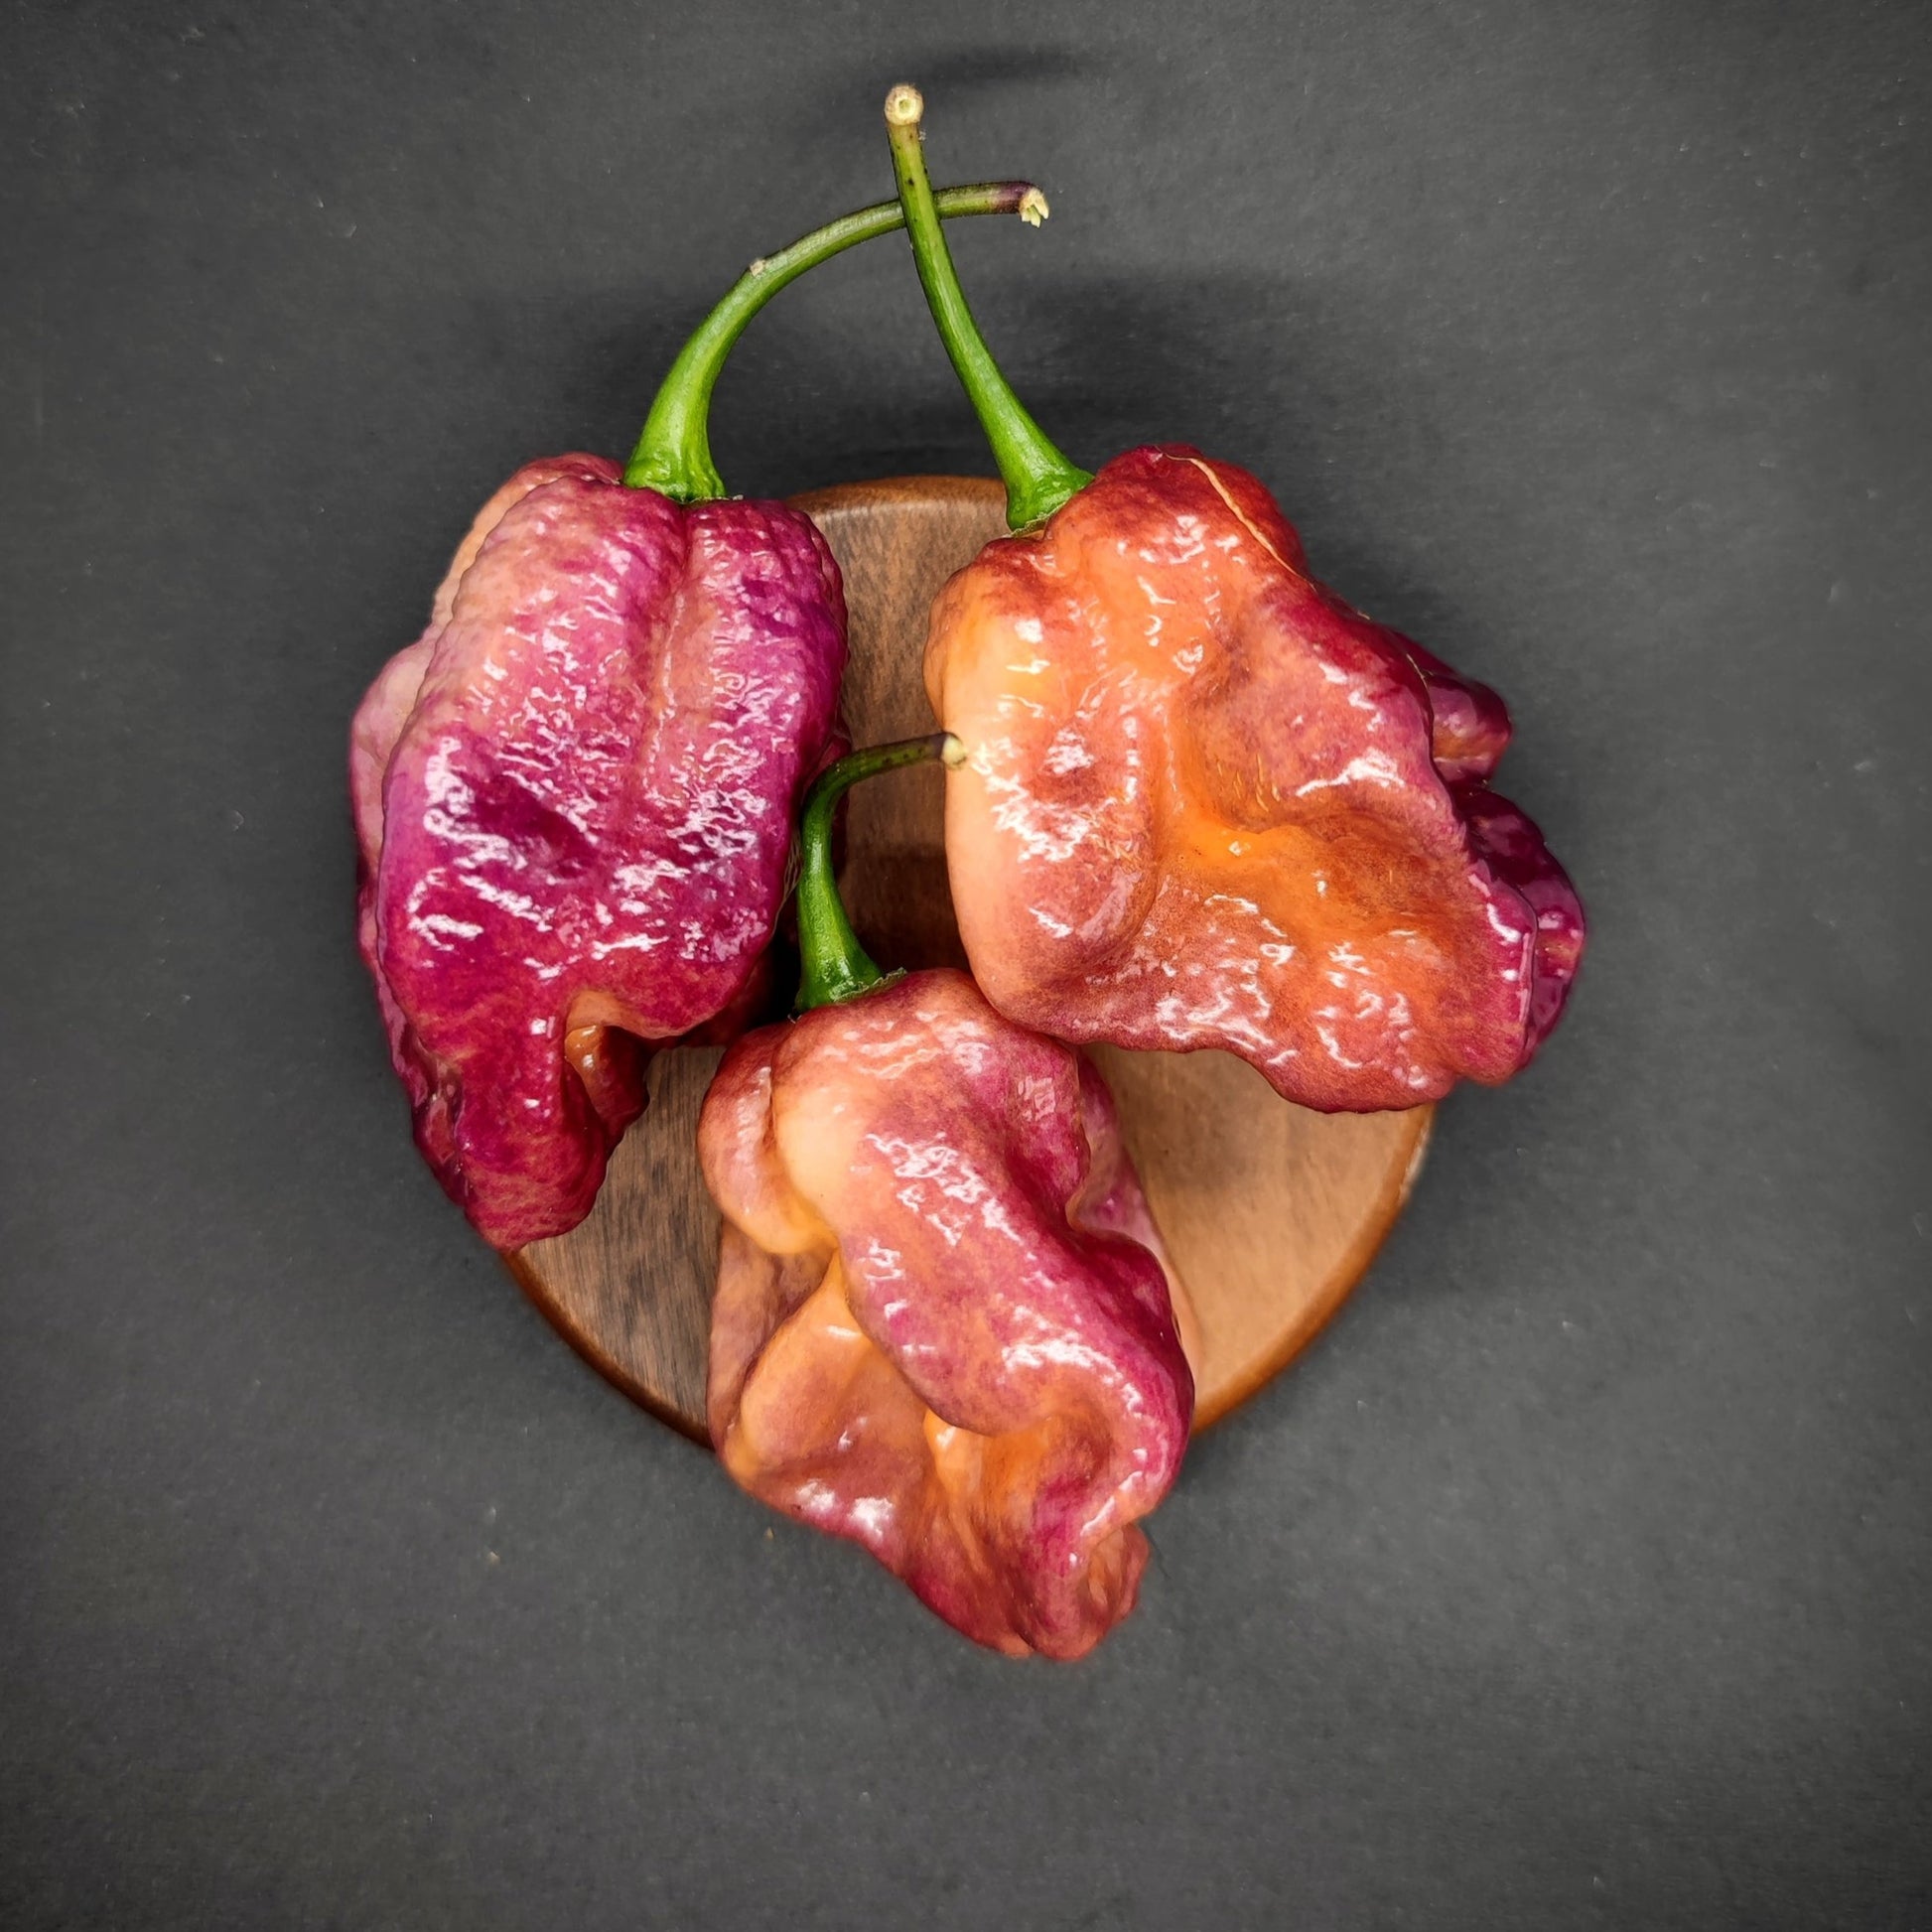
833 966
674 454
1038 479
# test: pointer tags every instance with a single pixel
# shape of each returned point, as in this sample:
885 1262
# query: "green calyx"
833 966
1038 479
674 454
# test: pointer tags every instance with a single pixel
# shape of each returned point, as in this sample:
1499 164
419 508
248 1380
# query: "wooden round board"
1271 1213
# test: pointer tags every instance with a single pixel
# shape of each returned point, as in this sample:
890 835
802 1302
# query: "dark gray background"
1580 1577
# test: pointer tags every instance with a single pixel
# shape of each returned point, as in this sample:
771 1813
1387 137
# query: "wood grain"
1271 1213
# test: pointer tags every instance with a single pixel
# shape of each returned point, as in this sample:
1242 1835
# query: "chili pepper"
573 792
1206 803
942 1326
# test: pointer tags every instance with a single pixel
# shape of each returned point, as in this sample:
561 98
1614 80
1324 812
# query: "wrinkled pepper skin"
1206 803
572 797
942 1328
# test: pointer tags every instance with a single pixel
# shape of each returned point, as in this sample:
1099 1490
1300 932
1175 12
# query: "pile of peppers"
1193 799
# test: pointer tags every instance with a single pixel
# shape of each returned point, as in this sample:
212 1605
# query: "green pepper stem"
1038 479
674 454
833 966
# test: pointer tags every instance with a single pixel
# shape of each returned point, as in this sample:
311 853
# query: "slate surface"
1579 1578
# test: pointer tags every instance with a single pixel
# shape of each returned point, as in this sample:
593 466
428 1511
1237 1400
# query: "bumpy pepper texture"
573 796
1208 804
941 1328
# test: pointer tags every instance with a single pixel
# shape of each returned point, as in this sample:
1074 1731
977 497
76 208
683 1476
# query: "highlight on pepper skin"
942 1327
1206 803
573 796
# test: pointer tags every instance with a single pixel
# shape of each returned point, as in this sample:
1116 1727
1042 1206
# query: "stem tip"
905 106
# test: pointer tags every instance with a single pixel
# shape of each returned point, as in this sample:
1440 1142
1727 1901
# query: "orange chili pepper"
942 1326
1206 803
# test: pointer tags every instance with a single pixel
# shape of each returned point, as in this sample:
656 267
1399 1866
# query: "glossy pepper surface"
573 792
942 1328
1206 803
575 817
